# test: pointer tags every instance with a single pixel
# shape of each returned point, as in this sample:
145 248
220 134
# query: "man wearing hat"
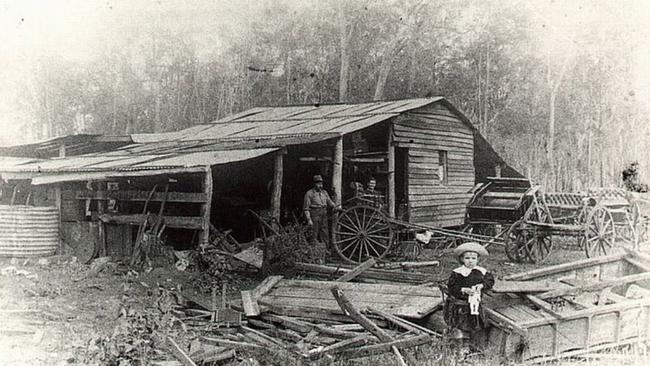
315 207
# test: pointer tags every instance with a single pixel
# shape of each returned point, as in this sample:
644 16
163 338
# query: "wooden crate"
590 309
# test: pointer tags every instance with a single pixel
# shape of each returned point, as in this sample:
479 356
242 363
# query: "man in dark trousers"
315 207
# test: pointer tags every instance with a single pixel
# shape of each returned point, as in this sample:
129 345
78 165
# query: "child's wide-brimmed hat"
471 247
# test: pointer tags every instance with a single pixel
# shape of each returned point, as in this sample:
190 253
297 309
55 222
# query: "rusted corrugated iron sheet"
310 119
100 166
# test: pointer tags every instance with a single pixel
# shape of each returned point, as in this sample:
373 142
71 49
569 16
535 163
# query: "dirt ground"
60 312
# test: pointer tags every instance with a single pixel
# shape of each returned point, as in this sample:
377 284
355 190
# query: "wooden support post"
390 194
205 210
101 207
276 197
337 185
337 173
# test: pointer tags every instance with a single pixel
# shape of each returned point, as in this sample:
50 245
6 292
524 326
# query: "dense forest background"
554 87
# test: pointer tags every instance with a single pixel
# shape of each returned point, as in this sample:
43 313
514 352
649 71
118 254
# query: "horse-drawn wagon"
599 220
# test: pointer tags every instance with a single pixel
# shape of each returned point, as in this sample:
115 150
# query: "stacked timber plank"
369 275
313 299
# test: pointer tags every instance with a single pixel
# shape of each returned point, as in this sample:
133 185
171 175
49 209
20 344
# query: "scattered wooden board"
315 296
252 256
331 272
525 286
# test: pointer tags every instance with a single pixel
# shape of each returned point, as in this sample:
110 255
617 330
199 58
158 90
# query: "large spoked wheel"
631 231
535 243
581 219
514 236
539 244
600 232
362 232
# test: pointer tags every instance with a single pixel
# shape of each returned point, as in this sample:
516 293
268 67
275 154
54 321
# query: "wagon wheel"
632 231
362 232
600 232
539 244
581 219
536 242
513 238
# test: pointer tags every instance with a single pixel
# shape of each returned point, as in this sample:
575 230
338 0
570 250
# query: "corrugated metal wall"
426 132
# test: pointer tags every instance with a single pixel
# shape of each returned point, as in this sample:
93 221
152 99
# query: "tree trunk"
345 35
479 97
384 71
486 91
288 76
393 48
551 128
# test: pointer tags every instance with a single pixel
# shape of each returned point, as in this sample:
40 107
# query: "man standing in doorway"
315 207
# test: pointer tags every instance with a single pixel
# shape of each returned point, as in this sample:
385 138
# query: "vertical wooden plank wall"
424 132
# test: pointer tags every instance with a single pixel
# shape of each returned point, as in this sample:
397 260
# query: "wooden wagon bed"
314 299
593 304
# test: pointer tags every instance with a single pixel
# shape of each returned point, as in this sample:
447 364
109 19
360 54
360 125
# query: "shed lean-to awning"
123 163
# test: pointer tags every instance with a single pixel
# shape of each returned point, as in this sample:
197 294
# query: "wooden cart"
579 307
363 229
599 220
362 232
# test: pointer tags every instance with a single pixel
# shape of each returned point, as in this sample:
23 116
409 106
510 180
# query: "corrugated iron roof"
306 119
100 166
242 136
74 145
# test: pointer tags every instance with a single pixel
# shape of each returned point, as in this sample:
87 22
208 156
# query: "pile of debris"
309 320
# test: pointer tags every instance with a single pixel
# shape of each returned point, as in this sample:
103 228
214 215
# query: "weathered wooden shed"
422 152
